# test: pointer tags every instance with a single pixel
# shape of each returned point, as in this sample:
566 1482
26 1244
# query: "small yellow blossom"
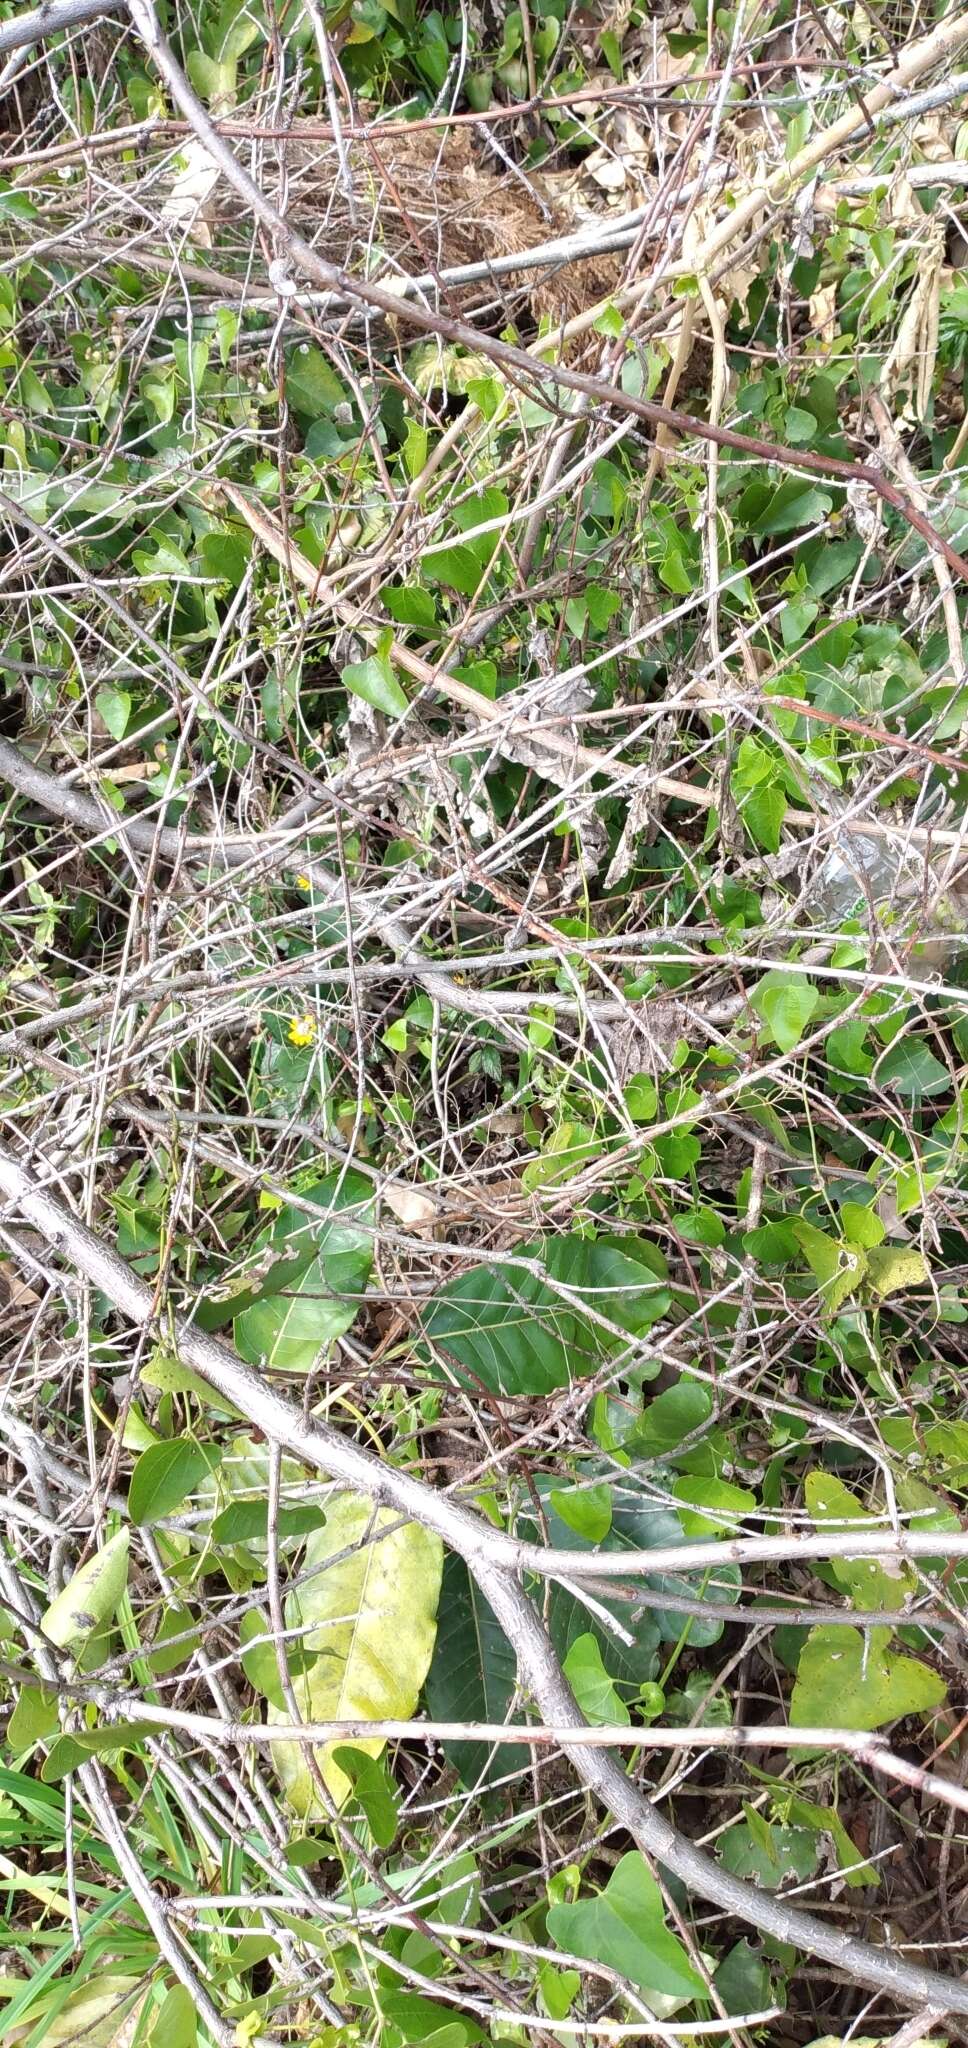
302 1030
304 882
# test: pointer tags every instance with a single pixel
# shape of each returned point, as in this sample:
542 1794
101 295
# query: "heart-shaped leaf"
624 1928
847 1680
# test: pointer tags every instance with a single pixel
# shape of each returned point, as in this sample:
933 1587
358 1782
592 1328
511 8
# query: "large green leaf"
910 1068
370 1616
473 1675
290 1332
166 1473
333 1220
373 679
849 1680
319 1263
772 1856
624 1928
312 388
176 2021
786 1001
512 1331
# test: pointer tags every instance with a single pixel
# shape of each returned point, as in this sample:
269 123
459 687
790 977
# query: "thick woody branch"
42 22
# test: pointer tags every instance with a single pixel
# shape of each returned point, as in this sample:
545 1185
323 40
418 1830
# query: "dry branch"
51 20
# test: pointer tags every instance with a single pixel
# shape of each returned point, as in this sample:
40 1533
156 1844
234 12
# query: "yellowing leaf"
100 2013
849 1680
371 1620
871 1581
838 1267
870 2041
88 1602
891 1267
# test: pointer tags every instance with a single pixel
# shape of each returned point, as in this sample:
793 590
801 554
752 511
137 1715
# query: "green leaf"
70 1750
670 1417
259 1661
247 1521
168 559
624 1928
754 765
15 205
375 1793
473 1676
587 1510
763 813
909 1069
826 1820
114 707
290 1332
638 1523
166 1474
838 1267
773 1243
459 567
602 606
312 388
845 1047
743 1981
226 556
35 1718
374 680
849 1680
176 2022
175 1640
711 1507
510 1330
701 1225
786 1002
559 1990
799 426
592 1686
641 1098
370 1616
769 1855
91 1598
862 1226
793 504
411 605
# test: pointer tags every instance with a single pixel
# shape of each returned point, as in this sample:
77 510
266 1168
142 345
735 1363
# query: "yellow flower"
304 882
302 1030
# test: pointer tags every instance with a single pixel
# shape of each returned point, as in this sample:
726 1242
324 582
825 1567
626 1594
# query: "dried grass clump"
427 201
